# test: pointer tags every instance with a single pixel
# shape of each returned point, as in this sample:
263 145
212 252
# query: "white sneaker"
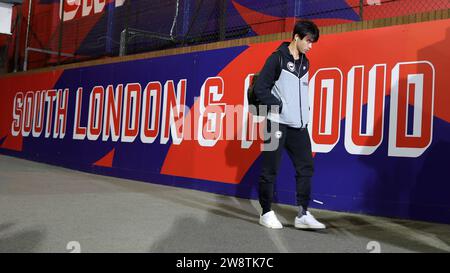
308 222
270 220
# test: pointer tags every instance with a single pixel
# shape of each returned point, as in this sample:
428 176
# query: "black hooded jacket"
285 84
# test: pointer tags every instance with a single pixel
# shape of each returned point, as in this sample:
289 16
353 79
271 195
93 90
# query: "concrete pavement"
44 208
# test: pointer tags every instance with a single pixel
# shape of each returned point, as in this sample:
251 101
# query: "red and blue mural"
380 121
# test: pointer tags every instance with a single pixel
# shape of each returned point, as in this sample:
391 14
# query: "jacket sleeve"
265 81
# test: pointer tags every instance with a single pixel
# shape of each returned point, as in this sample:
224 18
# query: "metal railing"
142 26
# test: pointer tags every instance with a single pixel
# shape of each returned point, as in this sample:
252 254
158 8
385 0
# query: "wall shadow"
24 241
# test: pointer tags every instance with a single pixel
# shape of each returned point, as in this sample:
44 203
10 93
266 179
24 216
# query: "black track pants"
298 146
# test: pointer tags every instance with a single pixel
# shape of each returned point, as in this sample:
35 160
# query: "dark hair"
306 28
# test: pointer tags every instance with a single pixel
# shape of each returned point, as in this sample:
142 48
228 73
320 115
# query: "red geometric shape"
254 19
106 161
226 161
12 143
263 24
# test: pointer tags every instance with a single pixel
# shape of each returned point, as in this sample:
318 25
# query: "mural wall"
380 124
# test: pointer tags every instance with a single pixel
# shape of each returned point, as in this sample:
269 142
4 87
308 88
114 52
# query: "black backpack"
251 96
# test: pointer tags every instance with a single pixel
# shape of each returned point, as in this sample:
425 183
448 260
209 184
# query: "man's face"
305 44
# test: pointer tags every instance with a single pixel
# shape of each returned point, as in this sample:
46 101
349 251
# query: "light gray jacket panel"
293 92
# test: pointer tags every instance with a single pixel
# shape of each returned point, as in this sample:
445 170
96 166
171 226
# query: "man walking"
283 83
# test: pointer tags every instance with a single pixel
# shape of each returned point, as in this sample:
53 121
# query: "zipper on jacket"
300 91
